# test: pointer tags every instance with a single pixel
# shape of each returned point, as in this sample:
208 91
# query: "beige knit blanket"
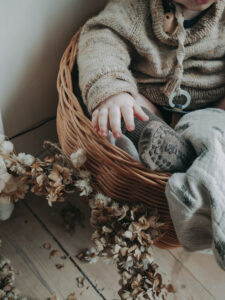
124 49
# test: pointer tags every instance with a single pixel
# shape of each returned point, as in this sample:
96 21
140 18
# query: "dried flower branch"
123 233
7 277
54 177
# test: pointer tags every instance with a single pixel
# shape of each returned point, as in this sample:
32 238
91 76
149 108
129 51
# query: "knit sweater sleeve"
104 55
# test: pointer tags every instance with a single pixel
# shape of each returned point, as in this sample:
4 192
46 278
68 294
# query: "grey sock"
134 135
162 149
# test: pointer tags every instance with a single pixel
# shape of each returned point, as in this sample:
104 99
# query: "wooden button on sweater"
170 25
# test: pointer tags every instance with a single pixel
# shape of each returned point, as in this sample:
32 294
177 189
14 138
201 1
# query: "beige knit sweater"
124 49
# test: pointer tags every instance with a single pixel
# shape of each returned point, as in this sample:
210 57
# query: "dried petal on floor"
72 297
54 253
80 282
59 266
170 288
47 246
53 297
125 233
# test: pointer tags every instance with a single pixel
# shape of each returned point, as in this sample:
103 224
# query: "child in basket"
136 56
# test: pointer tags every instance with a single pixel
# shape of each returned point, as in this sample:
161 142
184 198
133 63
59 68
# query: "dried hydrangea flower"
78 158
25 159
84 174
7 277
51 197
15 188
125 234
6 147
84 186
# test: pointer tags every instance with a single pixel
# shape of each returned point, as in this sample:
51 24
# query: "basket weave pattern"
115 173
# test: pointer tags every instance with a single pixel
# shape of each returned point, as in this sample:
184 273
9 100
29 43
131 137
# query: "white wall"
33 36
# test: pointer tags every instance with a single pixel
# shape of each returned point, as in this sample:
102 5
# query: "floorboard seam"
63 249
30 265
187 269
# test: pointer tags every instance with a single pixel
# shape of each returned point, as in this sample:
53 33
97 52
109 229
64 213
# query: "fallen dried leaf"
59 266
80 282
127 241
52 297
72 297
54 253
47 246
170 288
80 255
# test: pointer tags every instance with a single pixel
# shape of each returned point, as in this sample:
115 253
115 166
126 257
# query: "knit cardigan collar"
198 31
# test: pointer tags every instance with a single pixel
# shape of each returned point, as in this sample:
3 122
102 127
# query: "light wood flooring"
33 223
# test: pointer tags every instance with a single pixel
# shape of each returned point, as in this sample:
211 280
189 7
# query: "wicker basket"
115 172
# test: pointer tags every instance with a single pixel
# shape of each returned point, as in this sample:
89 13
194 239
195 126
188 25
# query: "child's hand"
110 111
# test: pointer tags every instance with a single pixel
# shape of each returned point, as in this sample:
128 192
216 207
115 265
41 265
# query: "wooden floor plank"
205 269
23 238
23 270
105 277
188 287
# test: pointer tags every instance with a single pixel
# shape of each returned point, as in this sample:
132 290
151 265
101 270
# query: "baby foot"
162 149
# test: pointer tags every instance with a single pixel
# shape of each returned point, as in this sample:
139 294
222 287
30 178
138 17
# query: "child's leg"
160 147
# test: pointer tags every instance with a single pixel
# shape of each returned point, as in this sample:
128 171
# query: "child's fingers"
115 121
95 120
138 112
103 122
128 115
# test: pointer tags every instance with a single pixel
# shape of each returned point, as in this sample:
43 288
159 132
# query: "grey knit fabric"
124 49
